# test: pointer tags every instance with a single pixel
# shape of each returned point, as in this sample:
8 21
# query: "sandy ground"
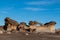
33 36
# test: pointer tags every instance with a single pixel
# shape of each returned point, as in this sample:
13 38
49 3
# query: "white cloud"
34 9
40 2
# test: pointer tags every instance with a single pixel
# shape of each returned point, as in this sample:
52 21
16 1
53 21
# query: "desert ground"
31 36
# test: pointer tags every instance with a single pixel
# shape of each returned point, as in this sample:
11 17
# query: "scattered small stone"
1 32
26 34
8 32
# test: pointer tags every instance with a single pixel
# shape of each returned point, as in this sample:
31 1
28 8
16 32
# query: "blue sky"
25 10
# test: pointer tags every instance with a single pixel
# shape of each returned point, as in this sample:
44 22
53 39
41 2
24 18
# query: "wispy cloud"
56 9
7 8
35 9
40 2
4 12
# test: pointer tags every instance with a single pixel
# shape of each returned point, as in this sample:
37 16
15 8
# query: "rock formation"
23 27
47 27
10 24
